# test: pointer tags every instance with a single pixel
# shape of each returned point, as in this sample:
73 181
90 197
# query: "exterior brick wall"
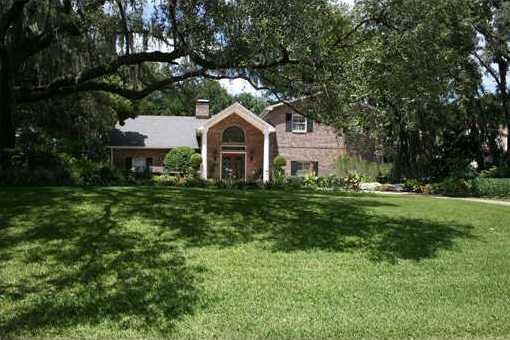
324 145
120 155
254 140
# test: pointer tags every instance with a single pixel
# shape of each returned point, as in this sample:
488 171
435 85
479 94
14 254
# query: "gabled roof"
244 113
167 132
158 132
289 104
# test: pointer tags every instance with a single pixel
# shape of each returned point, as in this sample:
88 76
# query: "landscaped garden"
162 261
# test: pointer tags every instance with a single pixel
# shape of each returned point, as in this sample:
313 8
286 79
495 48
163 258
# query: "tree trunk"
7 105
505 101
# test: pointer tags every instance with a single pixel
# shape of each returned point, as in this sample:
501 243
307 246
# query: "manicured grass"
139 262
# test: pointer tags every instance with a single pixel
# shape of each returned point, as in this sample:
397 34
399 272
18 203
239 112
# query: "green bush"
491 187
179 160
295 183
310 180
329 182
87 172
38 167
196 162
452 186
166 180
413 185
369 170
279 163
496 172
352 181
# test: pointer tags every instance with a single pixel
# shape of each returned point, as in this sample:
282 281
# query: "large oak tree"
130 48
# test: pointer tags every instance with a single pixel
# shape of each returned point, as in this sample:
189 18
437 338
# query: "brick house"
233 143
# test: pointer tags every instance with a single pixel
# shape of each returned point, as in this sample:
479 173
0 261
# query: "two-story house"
234 143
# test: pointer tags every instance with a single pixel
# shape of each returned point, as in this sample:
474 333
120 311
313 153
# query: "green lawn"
142 261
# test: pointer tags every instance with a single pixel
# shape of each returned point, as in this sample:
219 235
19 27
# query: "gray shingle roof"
157 132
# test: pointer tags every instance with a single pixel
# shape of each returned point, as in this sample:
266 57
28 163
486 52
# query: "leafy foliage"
179 160
353 181
491 187
181 99
369 170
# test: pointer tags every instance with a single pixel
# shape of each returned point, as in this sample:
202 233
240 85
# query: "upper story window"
233 135
298 123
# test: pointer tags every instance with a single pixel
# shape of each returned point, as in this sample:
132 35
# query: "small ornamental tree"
279 163
179 160
196 161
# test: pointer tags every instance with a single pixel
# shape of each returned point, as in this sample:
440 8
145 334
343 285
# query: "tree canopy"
52 48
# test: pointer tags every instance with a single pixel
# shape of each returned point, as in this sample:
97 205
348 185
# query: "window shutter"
289 122
293 168
316 168
309 125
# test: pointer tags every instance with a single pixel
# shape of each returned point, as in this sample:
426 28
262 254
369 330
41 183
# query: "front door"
233 166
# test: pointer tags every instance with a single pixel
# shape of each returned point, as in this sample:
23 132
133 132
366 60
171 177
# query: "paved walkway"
469 199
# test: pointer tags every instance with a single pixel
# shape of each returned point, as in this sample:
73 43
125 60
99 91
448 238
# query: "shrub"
196 162
413 185
193 182
329 182
496 172
279 163
491 187
310 180
179 160
368 169
452 186
256 175
166 180
353 181
295 183
87 172
36 168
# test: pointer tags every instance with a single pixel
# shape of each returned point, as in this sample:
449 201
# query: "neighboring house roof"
244 113
158 132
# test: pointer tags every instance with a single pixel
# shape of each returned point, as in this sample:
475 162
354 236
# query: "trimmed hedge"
492 187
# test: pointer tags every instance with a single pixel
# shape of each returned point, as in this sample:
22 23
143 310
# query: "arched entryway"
256 133
233 154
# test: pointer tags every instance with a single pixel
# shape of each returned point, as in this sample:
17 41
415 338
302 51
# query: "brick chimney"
202 109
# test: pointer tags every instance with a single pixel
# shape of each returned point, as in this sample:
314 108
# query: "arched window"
233 135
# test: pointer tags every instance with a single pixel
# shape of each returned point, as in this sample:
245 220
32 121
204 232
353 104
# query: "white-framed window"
298 123
139 164
302 168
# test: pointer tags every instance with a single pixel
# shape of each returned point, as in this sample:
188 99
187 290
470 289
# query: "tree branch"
488 67
46 92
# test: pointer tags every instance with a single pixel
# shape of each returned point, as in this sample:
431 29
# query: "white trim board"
145 147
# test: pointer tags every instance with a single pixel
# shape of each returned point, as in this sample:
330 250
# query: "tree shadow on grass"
111 256
294 221
95 272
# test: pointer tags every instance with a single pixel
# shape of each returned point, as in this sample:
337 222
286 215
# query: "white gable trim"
244 113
